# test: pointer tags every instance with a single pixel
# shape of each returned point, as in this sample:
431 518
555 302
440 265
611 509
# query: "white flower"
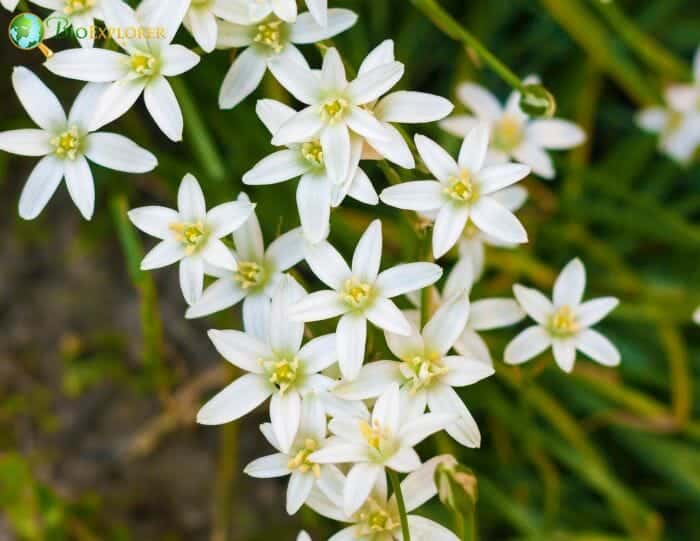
564 323
512 132
383 440
143 67
190 235
257 274
360 294
678 124
304 473
271 44
402 107
65 143
426 372
256 10
335 107
75 13
462 191
278 365
378 517
316 192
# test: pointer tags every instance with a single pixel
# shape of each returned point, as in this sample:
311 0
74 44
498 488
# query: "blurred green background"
101 376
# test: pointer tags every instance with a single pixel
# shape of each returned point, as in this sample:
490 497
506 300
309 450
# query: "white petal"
528 344
361 189
319 353
277 167
285 335
117 152
297 78
460 280
256 316
202 24
338 452
496 177
121 15
116 100
273 114
40 186
445 400
412 107
536 158
406 277
83 108
364 123
163 254
335 141
154 220
191 278
419 486
404 460
222 294
387 409
306 30
351 336
303 126
164 108
555 133
512 198
80 184
496 220
384 314
534 303
333 77
481 102
564 351
463 371
652 119
178 59
374 83
443 329
318 306
416 430
448 227
190 199
41 104
591 312
472 153
489 314
232 35
570 284
298 490
424 528
30 142
242 78
327 264
368 253
598 347
471 345
235 400
268 466
371 382
285 10
314 202
393 147
286 250
319 10
169 16
285 415
436 158
218 255
92 65
358 485
227 217
459 125
417 195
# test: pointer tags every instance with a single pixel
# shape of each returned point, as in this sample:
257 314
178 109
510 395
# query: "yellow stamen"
283 372
423 370
356 293
192 235
507 134
563 322
249 274
461 188
77 6
67 144
301 460
143 64
313 153
334 110
270 34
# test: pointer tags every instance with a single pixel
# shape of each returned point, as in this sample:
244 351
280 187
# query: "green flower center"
283 372
461 188
356 294
191 235
376 519
67 144
269 34
313 153
563 323
144 64
334 109
422 370
507 134
249 274
301 461
77 6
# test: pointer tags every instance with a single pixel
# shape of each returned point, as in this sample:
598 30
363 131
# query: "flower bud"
536 100
457 486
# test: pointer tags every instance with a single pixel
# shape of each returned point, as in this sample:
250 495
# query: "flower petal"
555 133
306 30
227 217
178 59
424 528
463 371
285 335
202 24
162 104
537 306
372 380
417 429
220 295
40 186
115 100
268 467
285 415
286 250
448 227
190 199
30 142
436 158
570 284
120 153
443 399
412 107
481 102
528 344
358 485
256 316
487 314
234 401
218 255
314 202
536 158
81 185
375 83
154 220
384 314
303 126
591 312
442 330
417 195
296 77
351 338
277 167
564 350
191 278
91 65
163 254
598 347
327 264
299 488
368 253
318 306
496 177
335 142
41 104
496 220
242 78
406 277
472 153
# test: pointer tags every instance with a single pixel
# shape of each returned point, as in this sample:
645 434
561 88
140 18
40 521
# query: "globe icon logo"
26 31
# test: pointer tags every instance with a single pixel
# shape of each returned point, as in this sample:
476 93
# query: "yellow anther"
67 144
375 518
313 153
269 34
143 64
77 6
283 372
422 370
356 293
461 188
334 109
248 274
507 134
192 235
563 322
374 434
301 461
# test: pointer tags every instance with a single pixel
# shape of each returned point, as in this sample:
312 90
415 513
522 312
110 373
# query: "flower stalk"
396 487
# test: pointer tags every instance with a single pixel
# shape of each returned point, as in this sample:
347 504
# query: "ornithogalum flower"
258 271
373 443
141 69
271 44
461 192
278 366
304 474
426 372
563 323
360 294
316 192
66 144
678 123
191 235
335 107
75 13
513 133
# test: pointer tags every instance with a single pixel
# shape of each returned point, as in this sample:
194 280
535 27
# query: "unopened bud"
536 100
457 486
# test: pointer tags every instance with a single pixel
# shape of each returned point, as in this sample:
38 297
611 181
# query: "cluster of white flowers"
338 422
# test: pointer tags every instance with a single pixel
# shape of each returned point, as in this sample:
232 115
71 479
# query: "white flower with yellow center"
277 366
426 372
76 13
335 108
360 294
316 193
384 439
563 323
66 144
461 192
678 123
191 235
258 271
513 133
271 44
378 517
304 474
141 69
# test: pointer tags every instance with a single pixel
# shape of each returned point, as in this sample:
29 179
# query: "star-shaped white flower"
278 366
271 44
335 107
360 294
373 443
563 323
66 144
258 271
513 133
401 107
191 235
304 474
141 69
378 517
426 372
678 123
462 191
316 192
75 13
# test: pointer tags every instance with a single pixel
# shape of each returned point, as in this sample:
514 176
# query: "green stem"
445 22
469 525
426 292
396 487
